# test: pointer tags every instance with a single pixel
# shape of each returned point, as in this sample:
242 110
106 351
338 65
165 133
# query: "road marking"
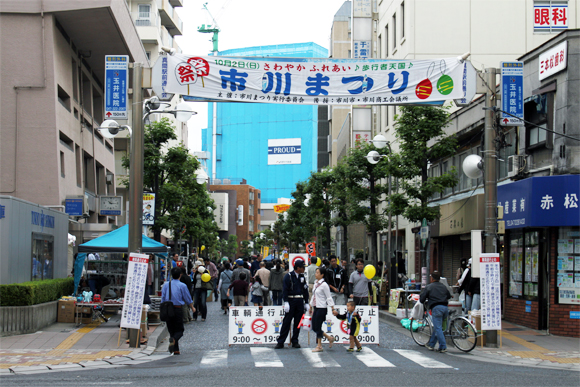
371 359
319 359
265 357
421 359
217 358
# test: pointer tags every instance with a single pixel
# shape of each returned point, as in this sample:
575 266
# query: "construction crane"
210 29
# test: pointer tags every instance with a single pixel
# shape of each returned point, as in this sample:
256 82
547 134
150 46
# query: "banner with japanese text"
490 291
262 325
134 290
314 81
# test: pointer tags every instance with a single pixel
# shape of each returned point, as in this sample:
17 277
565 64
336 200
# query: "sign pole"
490 178
136 178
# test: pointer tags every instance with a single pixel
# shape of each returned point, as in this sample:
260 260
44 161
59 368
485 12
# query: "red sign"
489 259
259 326
311 249
296 258
344 326
139 260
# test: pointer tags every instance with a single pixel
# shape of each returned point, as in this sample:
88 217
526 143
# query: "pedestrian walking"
187 281
438 296
295 295
180 298
213 272
337 281
276 277
241 269
264 275
258 291
352 319
360 285
240 290
200 289
224 283
321 300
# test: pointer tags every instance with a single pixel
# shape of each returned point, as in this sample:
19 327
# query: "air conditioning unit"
227 181
86 206
516 164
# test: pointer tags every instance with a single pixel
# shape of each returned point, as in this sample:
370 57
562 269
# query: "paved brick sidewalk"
65 347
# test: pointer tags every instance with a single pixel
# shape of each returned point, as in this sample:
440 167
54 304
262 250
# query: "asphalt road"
207 360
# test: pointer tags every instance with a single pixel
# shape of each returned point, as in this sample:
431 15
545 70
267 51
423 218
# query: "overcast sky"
246 23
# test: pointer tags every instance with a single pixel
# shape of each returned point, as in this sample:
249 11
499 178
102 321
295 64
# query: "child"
353 320
258 292
240 290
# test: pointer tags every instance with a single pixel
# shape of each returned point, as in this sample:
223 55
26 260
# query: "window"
446 168
509 149
435 171
394 26
386 41
402 20
89 167
537 110
62 164
380 46
524 253
251 226
251 195
148 53
144 11
251 210
568 277
78 165
63 98
42 256
75 80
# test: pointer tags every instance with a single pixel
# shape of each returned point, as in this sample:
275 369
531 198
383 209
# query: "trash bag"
406 323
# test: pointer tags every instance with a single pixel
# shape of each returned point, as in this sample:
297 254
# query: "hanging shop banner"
490 291
148 208
262 325
311 81
134 290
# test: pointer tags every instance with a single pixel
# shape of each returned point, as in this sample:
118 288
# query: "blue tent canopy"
117 241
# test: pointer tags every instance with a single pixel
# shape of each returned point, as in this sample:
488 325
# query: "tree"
365 190
422 140
245 248
298 224
319 205
340 202
181 204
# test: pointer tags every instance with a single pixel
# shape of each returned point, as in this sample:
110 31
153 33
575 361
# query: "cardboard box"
66 311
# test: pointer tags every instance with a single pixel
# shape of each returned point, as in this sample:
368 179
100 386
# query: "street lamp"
111 128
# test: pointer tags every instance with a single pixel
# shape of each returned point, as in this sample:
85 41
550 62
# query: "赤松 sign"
312 81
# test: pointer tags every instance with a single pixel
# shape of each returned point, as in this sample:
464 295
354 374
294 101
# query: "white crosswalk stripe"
319 359
265 357
421 359
371 359
217 358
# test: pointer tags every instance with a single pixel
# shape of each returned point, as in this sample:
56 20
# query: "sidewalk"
65 347
519 345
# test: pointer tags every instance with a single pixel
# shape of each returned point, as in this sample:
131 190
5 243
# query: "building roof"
344 12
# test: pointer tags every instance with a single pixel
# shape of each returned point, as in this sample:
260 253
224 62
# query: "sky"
246 23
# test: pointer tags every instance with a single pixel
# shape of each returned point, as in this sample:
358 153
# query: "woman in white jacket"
321 300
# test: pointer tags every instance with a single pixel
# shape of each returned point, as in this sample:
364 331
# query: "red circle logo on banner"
344 326
259 326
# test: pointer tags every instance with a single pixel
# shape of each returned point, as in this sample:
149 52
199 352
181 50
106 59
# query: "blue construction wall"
245 128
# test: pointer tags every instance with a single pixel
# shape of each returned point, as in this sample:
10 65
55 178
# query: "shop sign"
311 81
148 209
553 60
280 208
74 206
541 202
550 17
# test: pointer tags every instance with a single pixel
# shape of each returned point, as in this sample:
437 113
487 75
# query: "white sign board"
148 209
255 325
294 257
554 60
250 325
159 83
311 81
490 291
220 213
134 290
284 151
468 84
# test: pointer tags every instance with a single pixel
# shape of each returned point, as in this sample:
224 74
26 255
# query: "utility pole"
136 178
490 176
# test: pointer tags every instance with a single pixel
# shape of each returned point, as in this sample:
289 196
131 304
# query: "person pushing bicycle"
437 295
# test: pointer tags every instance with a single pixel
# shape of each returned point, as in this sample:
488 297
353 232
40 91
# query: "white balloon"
201 270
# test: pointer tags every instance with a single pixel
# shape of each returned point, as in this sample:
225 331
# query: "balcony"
147 27
176 3
169 18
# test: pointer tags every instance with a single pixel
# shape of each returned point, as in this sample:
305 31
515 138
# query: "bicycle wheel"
463 335
423 332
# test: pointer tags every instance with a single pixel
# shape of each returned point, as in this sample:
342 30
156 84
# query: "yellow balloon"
318 261
370 271
205 277
202 248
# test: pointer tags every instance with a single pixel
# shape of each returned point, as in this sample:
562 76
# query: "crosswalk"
266 357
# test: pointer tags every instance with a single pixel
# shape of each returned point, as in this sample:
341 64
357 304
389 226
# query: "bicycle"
459 329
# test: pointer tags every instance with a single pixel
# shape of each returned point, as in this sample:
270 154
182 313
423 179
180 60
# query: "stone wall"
17 320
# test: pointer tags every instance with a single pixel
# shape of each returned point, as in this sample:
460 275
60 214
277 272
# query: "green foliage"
245 249
422 140
228 247
35 292
181 204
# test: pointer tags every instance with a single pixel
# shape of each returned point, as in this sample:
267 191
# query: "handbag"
305 322
417 312
166 311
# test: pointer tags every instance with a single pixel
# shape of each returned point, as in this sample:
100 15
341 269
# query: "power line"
495 109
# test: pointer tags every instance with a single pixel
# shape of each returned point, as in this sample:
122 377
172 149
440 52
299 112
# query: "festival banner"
311 81
262 325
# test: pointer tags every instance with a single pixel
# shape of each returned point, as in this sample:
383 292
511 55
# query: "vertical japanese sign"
134 290
490 291
550 17
311 249
148 208
116 77
512 93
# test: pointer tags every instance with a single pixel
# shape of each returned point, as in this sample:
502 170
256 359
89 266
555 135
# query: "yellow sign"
266 251
280 208
148 197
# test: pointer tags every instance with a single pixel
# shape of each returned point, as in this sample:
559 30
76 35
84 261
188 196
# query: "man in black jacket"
337 280
438 296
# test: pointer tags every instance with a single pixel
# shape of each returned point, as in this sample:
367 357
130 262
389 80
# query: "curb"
136 357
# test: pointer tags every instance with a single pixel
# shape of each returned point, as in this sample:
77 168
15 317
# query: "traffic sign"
116 80
512 93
